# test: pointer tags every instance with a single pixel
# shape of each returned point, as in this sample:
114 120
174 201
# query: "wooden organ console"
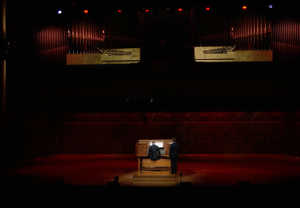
146 166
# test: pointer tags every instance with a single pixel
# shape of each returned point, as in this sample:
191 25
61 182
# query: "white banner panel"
229 54
106 56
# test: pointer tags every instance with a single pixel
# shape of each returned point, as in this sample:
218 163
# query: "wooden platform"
154 172
155 180
197 169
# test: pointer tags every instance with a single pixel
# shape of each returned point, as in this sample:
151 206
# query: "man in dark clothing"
174 156
154 152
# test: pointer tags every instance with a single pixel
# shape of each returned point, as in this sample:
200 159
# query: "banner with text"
229 54
106 56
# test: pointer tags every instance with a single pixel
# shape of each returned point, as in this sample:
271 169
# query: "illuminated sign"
230 54
106 56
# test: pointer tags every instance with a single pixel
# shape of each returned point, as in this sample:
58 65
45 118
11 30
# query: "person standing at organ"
174 156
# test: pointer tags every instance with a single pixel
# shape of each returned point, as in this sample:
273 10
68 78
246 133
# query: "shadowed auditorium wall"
209 132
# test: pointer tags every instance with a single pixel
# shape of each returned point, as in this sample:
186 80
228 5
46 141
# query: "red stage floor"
196 169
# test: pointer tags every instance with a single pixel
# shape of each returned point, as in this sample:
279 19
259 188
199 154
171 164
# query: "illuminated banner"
106 56
229 54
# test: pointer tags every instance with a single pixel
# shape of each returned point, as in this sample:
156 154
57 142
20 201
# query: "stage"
207 170
206 178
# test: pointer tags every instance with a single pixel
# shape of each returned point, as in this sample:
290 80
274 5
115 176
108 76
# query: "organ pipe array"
245 32
251 32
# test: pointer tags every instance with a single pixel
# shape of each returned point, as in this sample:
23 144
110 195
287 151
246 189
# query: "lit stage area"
215 179
209 170
209 178
222 154
194 170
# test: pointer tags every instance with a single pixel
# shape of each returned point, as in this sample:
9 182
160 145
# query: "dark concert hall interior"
197 101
